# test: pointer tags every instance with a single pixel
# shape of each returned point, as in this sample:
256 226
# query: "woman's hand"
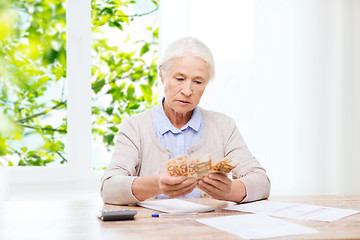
222 188
176 186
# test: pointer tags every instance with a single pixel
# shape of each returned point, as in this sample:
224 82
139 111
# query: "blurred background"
287 71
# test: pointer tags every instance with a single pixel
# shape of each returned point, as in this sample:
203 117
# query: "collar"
164 125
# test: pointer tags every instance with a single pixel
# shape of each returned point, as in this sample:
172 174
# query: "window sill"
85 189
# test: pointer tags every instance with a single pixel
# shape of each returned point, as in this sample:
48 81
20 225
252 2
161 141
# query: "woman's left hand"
222 188
216 185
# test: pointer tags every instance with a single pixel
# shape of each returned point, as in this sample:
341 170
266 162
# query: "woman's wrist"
238 191
146 187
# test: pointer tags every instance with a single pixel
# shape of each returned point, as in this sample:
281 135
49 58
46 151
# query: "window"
77 89
32 98
100 91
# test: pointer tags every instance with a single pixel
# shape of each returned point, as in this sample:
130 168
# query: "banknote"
192 165
177 166
172 168
204 166
198 166
224 166
182 163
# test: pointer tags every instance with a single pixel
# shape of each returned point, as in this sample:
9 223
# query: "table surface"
78 220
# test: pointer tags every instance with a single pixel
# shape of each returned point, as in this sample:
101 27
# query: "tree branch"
64 102
116 79
43 112
14 150
63 158
45 129
140 14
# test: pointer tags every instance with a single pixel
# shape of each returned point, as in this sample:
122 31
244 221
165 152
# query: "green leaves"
3 146
33 75
53 147
32 47
130 92
144 49
97 85
36 158
7 19
123 74
147 92
109 139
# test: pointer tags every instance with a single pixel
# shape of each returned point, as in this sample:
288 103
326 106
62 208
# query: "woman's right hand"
176 186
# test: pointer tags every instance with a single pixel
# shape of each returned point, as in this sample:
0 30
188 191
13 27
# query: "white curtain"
288 72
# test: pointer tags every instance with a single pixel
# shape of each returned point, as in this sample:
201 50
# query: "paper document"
294 211
175 206
255 226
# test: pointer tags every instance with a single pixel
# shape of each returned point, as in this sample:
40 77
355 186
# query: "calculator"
116 214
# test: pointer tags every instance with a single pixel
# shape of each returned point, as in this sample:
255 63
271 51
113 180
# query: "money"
198 166
224 166
182 165
172 168
203 166
177 166
192 166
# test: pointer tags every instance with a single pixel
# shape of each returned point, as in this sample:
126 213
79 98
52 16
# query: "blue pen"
172 214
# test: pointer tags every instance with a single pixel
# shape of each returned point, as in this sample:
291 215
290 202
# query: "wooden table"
77 220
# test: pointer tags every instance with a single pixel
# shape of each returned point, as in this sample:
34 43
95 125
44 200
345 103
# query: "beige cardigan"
138 152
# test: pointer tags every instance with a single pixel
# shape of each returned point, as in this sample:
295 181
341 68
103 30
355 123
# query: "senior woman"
175 127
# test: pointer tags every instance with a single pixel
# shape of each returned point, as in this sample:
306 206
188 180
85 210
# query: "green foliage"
33 61
33 64
123 79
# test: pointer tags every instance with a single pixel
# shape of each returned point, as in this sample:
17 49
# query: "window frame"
78 54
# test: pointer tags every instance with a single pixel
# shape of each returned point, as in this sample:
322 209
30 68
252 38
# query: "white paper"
256 226
294 211
175 206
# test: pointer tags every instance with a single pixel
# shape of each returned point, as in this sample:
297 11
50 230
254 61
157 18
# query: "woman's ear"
161 74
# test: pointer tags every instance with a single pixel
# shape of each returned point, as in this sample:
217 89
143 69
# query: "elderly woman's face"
184 82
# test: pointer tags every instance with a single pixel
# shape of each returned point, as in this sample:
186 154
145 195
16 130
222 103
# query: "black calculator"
117 214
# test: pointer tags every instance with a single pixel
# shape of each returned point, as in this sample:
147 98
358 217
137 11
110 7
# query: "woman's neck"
178 120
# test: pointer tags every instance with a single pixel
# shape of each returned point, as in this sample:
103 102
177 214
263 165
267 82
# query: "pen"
172 214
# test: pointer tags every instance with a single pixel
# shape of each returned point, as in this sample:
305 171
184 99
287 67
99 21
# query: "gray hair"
188 46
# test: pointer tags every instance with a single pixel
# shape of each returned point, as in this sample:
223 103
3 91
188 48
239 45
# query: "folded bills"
198 166
224 166
177 166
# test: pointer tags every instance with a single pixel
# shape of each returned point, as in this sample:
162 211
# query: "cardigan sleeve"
116 183
249 171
